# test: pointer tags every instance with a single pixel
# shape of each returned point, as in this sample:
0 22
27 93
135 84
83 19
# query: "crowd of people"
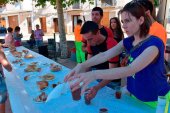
13 39
143 60
99 52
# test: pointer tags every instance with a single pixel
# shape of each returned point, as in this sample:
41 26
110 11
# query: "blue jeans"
3 90
39 42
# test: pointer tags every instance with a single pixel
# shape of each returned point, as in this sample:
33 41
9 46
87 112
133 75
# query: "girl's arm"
105 56
137 65
143 60
4 62
98 59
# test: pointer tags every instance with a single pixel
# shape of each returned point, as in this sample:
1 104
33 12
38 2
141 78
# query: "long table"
21 93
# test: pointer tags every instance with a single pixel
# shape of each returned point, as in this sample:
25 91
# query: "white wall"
122 2
27 5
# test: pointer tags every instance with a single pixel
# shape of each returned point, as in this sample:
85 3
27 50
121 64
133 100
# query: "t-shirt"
38 34
150 82
77 34
9 39
158 30
108 43
17 37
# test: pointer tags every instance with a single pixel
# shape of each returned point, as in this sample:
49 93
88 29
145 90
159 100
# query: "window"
76 6
108 2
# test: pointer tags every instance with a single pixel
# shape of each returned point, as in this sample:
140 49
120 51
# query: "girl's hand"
83 80
80 68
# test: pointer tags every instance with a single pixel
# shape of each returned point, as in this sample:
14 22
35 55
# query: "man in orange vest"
80 55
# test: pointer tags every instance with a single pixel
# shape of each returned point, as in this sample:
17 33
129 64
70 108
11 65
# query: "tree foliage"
2 2
65 3
156 3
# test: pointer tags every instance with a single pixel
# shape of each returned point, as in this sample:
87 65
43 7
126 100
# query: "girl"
116 29
145 60
9 40
17 36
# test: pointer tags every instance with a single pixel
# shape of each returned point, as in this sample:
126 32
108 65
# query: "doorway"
55 21
13 21
43 24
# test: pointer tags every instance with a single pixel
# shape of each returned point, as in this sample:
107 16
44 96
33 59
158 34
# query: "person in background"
31 42
3 90
98 43
115 26
92 50
144 67
9 40
97 15
38 34
80 55
156 28
17 36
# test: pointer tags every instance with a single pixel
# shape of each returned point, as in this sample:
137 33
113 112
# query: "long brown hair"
118 33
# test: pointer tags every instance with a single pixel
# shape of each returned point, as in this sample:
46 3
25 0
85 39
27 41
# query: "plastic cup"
118 92
87 101
76 94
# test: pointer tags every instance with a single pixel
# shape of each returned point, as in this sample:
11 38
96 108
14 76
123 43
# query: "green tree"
7 1
59 5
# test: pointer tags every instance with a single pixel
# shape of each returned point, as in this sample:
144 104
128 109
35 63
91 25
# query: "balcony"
105 3
76 6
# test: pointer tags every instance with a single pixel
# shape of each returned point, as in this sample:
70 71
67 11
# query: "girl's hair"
9 29
137 10
17 28
118 33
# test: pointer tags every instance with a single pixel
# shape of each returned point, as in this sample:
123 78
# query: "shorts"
3 90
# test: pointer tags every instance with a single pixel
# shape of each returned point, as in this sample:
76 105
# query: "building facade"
26 15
